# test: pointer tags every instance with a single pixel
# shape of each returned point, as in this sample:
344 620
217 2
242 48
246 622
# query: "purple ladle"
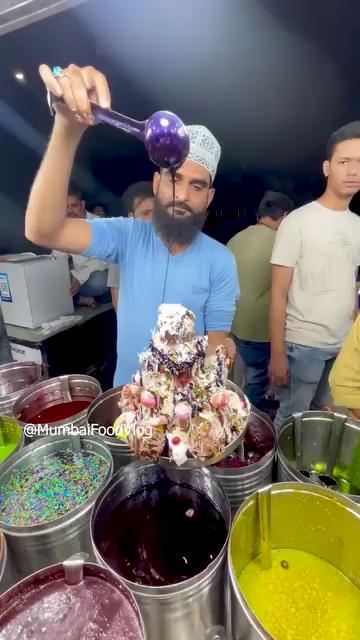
164 134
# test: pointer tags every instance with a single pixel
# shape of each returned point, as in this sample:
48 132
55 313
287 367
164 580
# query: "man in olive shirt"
252 249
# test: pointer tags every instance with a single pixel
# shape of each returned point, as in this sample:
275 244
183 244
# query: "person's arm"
114 297
82 272
216 338
355 413
46 223
281 278
344 379
286 253
221 303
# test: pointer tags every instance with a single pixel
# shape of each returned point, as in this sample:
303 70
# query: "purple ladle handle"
118 120
107 116
163 133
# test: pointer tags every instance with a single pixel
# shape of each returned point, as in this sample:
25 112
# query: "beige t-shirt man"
323 247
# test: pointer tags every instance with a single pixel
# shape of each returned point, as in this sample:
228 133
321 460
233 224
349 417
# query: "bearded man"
167 261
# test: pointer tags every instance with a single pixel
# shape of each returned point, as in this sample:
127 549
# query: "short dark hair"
76 192
274 204
137 191
102 205
349 131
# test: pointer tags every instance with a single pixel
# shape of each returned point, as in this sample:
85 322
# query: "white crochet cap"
204 148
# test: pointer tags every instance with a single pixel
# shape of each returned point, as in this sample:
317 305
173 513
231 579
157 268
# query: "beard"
175 229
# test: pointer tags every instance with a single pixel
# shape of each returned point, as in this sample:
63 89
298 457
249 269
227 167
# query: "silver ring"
49 100
58 72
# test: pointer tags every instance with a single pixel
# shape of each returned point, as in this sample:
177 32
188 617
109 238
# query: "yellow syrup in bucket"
301 597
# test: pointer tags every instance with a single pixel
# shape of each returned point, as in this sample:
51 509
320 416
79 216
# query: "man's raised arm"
46 223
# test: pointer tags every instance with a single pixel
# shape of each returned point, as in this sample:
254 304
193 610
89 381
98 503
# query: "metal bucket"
3 559
196 607
11 438
6 570
103 413
79 593
240 483
303 517
33 547
318 447
50 393
14 378
10 434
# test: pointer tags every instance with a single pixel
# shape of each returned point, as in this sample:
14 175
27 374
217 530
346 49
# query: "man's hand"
355 413
279 370
220 338
77 87
74 286
230 347
50 227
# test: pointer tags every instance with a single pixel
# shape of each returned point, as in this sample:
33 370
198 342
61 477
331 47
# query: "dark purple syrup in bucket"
259 439
161 535
44 606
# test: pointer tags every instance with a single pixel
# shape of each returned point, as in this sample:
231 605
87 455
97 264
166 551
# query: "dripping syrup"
173 176
172 171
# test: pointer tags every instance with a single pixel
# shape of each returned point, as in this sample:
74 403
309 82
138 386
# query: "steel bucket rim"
184 585
20 364
50 382
3 555
268 457
112 441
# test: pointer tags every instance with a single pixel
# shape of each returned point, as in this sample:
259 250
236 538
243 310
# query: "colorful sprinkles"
51 488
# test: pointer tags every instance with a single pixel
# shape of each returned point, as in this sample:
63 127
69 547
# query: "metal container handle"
297 419
74 568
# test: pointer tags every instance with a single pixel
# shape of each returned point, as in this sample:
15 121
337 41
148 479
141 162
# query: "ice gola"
181 395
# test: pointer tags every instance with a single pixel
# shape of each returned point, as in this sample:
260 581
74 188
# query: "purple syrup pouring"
163 534
173 176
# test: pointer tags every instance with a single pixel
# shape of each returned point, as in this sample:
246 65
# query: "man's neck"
330 200
175 249
269 222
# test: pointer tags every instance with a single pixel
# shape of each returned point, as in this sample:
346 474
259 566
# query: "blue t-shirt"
203 278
